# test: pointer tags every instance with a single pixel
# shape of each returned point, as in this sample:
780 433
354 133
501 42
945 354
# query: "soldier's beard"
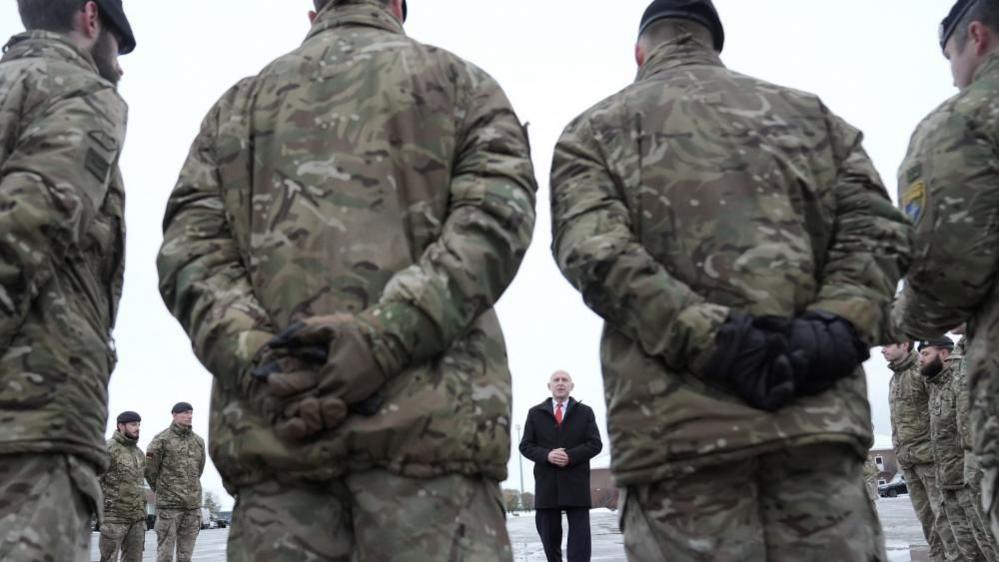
132 435
103 54
932 368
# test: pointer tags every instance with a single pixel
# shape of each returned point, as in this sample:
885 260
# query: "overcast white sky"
877 64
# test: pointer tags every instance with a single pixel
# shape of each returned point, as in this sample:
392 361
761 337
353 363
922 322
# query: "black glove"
751 356
824 349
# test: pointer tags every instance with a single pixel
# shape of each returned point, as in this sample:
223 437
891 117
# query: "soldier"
175 461
871 473
368 198
743 252
948 456
949 187
908 400
124 525
972 472
62 125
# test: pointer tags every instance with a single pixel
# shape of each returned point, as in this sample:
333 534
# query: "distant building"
887 464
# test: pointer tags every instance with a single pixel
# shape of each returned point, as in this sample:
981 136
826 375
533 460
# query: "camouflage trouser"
961 525
178 527
804 503
46 505
374 516
128 538
969 499
927 500
990 498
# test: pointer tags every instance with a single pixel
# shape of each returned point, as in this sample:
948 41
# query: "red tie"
558 414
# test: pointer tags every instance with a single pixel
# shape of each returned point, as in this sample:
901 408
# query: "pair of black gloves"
770 360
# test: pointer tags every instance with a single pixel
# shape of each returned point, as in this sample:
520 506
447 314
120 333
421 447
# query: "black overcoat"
556 486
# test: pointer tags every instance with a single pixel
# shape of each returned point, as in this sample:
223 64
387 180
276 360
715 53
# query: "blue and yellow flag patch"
914 201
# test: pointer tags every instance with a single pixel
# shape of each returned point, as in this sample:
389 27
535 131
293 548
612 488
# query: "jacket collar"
125 439
549 405
905 363
685 50
180 429
366 13
47 45
988 69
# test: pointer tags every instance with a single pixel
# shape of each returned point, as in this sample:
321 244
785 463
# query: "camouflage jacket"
908 398
122 484
949 186
948 455
370 174
62 240
175 461
696 191
960 383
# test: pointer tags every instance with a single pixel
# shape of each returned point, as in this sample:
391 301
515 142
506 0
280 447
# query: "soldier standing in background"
124 525
970 496
908 400
948 455
175 461
62 127
743 252
949 187
337 239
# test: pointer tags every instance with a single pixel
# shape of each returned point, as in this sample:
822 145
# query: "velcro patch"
914 201
104 140
97 165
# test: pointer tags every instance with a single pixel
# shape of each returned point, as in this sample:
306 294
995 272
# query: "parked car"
892 489
222 523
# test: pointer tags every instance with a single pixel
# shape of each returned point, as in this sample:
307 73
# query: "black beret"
700 11
128 417
949 24
115 14
181 407
942 342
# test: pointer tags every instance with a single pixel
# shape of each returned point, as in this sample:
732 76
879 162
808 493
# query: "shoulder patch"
103 140
914 201
97 165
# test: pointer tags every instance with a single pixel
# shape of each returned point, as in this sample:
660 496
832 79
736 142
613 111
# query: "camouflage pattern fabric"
46 505
366 174
969 500
948 455
61 207
123 483
129 539
927 501
908 400
375 516
949 186
175 461
698 191
176 530
962 524
870 475
802 503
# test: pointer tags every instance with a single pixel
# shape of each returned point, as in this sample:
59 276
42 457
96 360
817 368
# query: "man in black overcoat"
561 437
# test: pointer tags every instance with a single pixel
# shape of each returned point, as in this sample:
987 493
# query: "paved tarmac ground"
902 531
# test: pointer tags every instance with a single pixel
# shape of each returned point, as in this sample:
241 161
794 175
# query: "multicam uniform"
949 186
694 192
62 245
175 461
910 431
124 525
368 174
